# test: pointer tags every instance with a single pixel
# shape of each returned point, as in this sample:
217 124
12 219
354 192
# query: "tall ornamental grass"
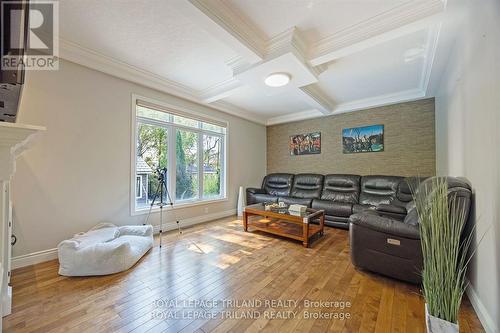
444 247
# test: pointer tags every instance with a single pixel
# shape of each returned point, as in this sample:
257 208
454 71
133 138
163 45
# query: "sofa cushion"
278 184
343 188
307 185
295 201
262 198
391 209
374 221
333 208
377 190
357 208
404 190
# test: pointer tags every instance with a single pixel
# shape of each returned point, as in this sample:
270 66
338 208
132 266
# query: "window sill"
179 206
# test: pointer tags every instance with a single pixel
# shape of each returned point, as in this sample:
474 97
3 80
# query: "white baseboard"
50 254
7 302
482 313
172 225
33 258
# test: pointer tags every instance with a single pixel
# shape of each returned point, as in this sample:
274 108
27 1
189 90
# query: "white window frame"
171 133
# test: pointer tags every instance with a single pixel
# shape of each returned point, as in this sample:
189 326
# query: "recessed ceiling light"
277 79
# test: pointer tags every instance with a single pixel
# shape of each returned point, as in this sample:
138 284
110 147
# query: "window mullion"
171 173
222 176
200 165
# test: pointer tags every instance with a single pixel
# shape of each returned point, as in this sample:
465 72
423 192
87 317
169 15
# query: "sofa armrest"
255 190
252 192
376 222
397 212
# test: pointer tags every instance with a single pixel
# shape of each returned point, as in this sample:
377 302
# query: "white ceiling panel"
150 35
316 19
270 106
384 69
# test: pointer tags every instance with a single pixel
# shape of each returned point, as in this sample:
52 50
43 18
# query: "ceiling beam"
317 98
225 24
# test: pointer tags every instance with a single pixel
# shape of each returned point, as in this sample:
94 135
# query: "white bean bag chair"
104 249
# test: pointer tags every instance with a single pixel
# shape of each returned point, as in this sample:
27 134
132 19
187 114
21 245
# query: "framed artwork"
305 144
363 139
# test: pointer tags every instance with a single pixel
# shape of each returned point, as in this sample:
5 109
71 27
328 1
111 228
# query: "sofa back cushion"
341 188
278 184
307 186
458 189
376 190
404 190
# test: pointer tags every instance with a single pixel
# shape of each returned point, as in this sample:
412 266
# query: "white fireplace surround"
14 139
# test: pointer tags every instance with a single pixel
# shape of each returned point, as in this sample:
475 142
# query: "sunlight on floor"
200 248
231 238
226 261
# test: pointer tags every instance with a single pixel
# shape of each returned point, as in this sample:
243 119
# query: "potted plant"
442 218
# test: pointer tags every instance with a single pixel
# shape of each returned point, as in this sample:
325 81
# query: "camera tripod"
162 189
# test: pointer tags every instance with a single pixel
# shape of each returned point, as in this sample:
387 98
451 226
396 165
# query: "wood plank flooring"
182 288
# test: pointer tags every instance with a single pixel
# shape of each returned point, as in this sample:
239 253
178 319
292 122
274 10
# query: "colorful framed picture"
305 144
363 139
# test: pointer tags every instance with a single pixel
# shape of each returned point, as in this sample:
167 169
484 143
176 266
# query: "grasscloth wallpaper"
409 146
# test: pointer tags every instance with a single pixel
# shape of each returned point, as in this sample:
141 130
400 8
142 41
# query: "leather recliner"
273 186
305 188
339 196
390 245
340 193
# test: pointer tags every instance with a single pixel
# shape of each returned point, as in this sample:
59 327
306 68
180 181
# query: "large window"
184 149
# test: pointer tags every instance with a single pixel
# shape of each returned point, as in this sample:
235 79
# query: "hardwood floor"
214 262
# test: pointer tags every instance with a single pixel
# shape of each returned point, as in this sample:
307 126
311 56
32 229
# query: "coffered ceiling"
342 55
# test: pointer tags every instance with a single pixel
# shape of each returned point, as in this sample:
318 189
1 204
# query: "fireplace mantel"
14 139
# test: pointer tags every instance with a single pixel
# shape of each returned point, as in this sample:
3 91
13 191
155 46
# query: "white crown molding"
388 99
399 21
89 58
296 116
238 112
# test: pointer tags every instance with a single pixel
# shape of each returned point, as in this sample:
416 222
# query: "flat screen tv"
14 32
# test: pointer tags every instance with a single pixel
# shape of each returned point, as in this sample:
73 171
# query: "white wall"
468 140
79 172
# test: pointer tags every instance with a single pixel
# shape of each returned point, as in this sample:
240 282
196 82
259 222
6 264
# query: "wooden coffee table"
284 223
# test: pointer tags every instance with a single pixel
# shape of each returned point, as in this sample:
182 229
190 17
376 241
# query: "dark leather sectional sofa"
339 196
378 210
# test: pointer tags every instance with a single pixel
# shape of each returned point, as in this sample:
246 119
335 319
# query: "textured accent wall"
409 142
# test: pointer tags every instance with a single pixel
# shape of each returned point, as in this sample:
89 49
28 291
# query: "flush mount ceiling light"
277 79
